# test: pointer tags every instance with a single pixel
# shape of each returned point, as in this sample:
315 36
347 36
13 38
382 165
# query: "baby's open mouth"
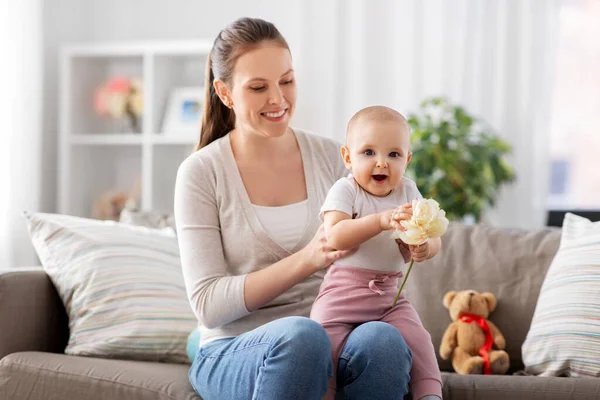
380 178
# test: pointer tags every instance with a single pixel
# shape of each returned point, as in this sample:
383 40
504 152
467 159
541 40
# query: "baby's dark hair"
380 113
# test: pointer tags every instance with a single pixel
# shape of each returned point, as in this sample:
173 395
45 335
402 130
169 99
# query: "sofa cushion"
563 339
46 376
494 387
121 285
511 263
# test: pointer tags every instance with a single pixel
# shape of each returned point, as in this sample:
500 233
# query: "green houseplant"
457 159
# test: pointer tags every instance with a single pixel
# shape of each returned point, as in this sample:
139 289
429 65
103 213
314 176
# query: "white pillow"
564 337
121 285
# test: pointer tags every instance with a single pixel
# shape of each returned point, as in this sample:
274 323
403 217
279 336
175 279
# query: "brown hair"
237 38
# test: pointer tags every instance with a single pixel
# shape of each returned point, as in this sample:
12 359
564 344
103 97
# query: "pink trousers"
351 296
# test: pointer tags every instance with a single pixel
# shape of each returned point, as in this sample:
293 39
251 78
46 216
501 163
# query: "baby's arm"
344 233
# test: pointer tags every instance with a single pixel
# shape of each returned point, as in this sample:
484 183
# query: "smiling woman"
258 90
252 251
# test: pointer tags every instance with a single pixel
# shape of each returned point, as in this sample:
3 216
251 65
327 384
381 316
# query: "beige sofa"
509 263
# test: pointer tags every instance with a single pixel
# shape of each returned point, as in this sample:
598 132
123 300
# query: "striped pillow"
121 285
564 337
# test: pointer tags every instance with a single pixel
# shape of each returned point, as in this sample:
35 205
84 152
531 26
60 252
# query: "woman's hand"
404 250
318 254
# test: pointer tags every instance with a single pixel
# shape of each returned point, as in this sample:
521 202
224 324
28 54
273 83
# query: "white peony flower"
428 221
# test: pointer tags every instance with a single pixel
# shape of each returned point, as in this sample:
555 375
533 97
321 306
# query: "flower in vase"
119 98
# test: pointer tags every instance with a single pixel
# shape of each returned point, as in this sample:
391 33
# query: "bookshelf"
96 154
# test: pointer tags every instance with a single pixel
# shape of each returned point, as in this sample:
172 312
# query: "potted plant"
457 159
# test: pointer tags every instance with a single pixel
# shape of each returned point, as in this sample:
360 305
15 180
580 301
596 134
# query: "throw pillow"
564 332
193 344
121 285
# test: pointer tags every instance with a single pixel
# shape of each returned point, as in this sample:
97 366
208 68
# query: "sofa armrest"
32 316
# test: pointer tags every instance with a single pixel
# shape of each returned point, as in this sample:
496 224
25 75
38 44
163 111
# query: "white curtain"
20 114
495 57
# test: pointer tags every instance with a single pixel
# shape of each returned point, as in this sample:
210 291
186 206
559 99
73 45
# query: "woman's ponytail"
217 119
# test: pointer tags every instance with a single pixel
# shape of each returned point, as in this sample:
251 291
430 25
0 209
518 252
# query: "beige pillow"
565 330
121 285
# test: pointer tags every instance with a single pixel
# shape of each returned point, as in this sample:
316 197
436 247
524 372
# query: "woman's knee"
382 344
375 363
304 348
304 334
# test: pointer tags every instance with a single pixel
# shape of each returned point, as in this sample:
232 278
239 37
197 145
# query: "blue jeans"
290 358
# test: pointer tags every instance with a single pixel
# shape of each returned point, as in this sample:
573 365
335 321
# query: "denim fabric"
290 358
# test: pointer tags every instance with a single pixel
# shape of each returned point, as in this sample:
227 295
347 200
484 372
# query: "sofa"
510 263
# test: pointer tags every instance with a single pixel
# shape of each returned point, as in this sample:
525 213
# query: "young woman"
252 248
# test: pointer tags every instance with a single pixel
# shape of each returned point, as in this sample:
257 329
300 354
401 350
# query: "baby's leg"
338 334
425 373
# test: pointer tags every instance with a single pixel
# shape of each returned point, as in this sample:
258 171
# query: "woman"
252 250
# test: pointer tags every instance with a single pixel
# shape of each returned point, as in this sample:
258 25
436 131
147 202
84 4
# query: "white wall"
493 57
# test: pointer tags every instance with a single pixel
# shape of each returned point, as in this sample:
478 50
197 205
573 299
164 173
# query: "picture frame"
183 113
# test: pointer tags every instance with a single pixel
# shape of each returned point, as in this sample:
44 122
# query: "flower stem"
403 282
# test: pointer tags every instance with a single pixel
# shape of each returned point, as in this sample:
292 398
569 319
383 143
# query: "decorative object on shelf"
102 154
183 113
155 219
122 99
457 159
110 204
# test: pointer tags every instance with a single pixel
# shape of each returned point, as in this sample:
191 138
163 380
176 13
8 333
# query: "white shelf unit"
94 157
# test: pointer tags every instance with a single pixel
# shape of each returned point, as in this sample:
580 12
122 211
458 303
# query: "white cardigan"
221 238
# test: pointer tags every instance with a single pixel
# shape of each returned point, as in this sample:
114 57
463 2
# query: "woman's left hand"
420 252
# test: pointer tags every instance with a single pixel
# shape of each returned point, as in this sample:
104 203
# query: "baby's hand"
390 219
385 220
420 252
402 213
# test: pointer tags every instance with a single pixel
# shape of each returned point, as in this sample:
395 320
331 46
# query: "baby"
360 211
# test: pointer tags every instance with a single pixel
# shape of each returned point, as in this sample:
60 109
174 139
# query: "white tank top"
285 224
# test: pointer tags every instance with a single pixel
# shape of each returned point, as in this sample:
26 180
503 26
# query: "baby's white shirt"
381 252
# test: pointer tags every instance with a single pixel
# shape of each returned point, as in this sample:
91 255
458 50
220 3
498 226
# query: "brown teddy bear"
470 338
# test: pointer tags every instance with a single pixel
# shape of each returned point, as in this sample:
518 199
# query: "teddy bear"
475 344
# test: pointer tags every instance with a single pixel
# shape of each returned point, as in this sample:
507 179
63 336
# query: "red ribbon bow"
487 346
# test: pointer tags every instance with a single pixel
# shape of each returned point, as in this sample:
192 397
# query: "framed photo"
183 113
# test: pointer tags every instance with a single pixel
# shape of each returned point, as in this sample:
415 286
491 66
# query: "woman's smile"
275 116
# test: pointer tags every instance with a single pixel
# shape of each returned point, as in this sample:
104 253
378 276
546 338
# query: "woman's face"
263 90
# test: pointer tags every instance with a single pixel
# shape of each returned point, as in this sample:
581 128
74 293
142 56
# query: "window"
575 123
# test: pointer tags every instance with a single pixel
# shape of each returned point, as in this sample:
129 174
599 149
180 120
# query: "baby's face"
378 153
